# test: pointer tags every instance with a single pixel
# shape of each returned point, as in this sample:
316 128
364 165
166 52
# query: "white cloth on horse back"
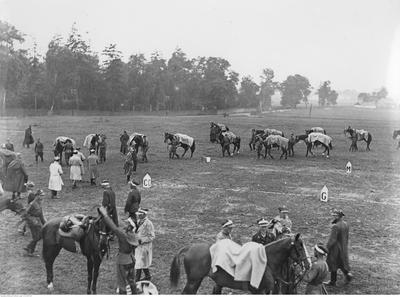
317 129
63 139
88 140
362 134
231 136
183 138
133 136
222 127
325 139
277 139
273 132
243 263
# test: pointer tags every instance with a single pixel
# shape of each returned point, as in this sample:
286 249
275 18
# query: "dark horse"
197 263
355 136
222 127
171 137
140 141
93 244
254 133
396 133
225 139
15 206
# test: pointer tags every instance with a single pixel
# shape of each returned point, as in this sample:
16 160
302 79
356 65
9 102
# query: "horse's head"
14 206
166 136
308 131
215 131
298 252
95 230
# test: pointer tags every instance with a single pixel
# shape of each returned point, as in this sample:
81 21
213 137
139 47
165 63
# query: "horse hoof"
50 287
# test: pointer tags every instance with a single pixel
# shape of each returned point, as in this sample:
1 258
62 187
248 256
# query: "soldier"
35 220
127 241
144 251
145 148
55 180
9 145
109 202
337 246
226 231
93 161
318 272
76 169
38 150
16 178
31 195
124 143
102 150
68 150
28 139
263 236
130 163
134 199
283 218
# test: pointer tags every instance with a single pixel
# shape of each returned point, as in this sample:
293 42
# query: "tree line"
72 76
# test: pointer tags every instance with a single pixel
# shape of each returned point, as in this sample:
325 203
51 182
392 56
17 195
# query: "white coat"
144 251
55 181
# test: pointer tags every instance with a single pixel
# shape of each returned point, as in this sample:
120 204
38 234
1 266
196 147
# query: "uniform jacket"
221 235
124 138
34 215
55 181
93 160
144 251
259 238
77 168
133 201
16 177
315 277
109 203
10 147
338 256
39 147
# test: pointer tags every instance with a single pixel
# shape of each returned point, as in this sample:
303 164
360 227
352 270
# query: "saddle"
71 227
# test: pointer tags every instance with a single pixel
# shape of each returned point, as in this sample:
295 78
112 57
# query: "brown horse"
197 263
15 206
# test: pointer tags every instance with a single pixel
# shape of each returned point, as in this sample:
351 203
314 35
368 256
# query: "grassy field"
189 199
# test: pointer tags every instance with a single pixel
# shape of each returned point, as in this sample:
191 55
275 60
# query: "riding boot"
138 275
147 275
332 282
128 177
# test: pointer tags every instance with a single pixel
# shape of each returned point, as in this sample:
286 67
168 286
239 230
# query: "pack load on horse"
269 142
241 272
180 140
93 141
358 135
218 126
139 140
88 231
254 133
314 139
396 135
66 145
270 131
315 130
225 139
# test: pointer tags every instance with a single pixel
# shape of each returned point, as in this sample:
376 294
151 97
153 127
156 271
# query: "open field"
189 199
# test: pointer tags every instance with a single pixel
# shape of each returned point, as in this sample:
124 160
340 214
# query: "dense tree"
294 89
248 92
374 97
268 87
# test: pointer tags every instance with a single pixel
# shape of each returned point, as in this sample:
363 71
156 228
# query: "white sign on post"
348 167
324 194
147 181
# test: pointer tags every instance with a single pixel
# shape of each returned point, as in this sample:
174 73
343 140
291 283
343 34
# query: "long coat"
144 251
338 256
16 177
133 201
109 203
93 160
77 168
55 181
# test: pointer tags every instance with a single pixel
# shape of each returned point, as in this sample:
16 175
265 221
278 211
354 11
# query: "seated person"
264 235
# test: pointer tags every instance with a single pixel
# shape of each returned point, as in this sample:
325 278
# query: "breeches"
126 275
39 154
36 235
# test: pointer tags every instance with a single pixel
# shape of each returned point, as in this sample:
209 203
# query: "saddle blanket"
63 139
277 139
317 129
243 263
362 134
222 127
133 135
231 136
88 140
272 132
70 226
325 139
183 138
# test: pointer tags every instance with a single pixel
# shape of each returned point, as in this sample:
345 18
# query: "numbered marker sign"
147 181
324 194
348 167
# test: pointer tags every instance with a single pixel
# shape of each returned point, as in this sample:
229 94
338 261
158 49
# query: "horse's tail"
330 145
176 267
369 137
193 147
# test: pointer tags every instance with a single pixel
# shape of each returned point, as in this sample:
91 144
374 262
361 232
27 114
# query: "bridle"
103 236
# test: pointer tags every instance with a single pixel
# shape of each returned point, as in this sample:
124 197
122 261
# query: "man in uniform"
35 220
263 236
38 150
283 218
124 143
226 231
109 202
318 272
9 145
16 178
130 164
337 246
28 139
133 201
76 169
93 161
102 150
127 241
68 151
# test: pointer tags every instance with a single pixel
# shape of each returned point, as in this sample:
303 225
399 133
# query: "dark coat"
259 238
133 201
109 203
338 256
28 139
16 177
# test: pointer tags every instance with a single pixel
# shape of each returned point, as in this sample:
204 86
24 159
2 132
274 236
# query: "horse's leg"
89 274
186 148
192 286
217 290
97 262
50 253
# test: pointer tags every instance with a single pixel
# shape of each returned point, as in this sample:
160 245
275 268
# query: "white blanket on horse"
362 134
317 129
185 139
325 139
277 139
88 140
133 135
222 127
273 132
63 139
243 263
231 136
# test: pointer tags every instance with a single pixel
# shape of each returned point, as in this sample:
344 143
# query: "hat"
75 151
105 183
92 150
227 223
337 212
262 222
78 148
29 184
321 249
40 192
142 211
130 221
283 209
134 183
56 158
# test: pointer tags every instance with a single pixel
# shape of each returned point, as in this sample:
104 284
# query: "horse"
358 135
318 139
221 127
316 130
94 245
171 137
269 142
197 263
15 206
225 139
396 134
139 140
254 133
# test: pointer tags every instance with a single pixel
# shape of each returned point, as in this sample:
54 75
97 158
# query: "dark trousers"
147 275
124 148
36 236
39 154
334 275
126 277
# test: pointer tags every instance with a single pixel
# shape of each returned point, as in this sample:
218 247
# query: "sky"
353 43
